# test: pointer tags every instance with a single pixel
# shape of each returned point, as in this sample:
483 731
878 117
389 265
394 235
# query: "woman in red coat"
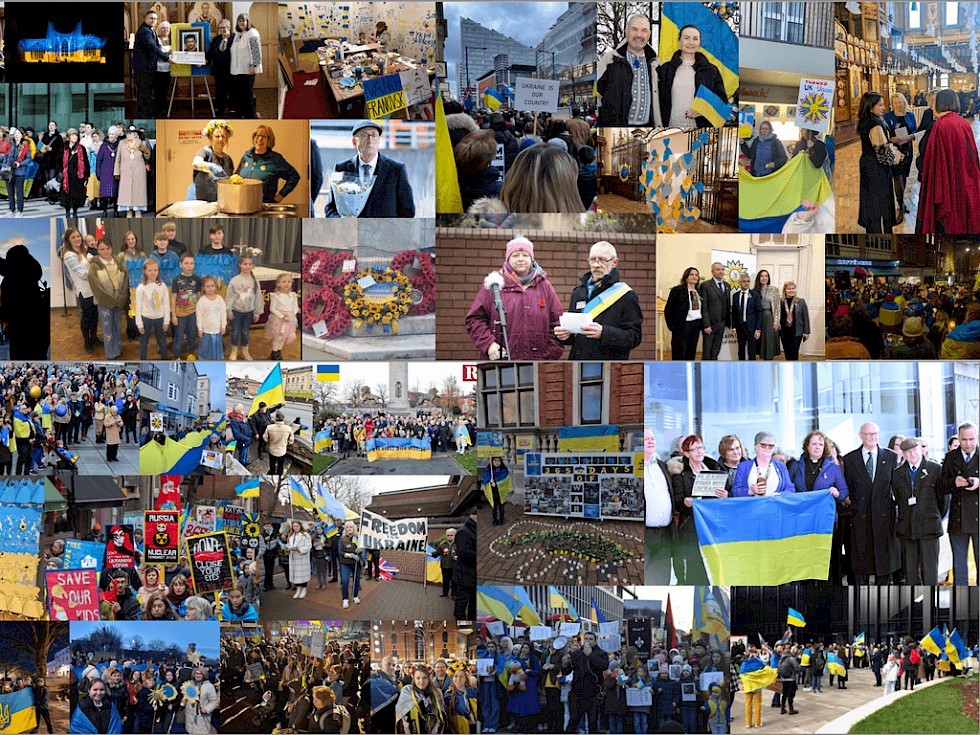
531 306
949 197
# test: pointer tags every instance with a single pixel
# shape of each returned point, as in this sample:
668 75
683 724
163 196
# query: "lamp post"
466 53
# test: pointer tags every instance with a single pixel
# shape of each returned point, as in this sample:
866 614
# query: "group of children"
200 316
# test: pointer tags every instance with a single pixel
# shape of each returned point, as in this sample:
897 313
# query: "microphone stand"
498 302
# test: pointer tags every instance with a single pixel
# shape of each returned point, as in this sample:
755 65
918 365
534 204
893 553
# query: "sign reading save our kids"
537 95
404 534
814 103
383 96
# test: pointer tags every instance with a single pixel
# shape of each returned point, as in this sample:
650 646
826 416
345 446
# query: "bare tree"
325 394
450 394
349 490
156 645
611 22
352 391
37 640
136 644
382 389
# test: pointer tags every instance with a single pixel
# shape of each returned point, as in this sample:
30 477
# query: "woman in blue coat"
762 475
523 704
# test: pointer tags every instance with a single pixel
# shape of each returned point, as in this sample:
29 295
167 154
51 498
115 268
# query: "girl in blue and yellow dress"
461 702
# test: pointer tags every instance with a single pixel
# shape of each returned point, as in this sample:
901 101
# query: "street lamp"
542 51
466 53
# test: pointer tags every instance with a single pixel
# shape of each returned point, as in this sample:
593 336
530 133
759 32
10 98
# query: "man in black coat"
747 319
920 513
874 549
464 573
617 325
146 52
505 135
259 422
622 71
716 312
960 479
391 194
588 667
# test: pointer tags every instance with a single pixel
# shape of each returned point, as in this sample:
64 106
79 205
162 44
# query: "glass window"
952 13
172 393
915 15
507 377
504 402
525 374
590 392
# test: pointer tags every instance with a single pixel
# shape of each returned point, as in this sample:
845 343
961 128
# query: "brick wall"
626 393
466 255
556 399
411 566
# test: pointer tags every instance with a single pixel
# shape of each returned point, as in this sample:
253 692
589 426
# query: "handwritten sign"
83 554
814 103
415 84
156 422
383 96
73 594
210 561
538 95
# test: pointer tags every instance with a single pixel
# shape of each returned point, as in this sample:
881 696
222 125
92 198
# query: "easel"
173 91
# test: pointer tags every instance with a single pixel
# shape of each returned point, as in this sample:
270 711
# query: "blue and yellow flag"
956 648
557 600
17 713
527 613
588 438
494 601
711 106
298 495
934 641
858 639
174 457
448 198
596 614
795 617
755 675
270 392
504 485
492 99
776 539
248 489
709 616
328 501
322 441
22 424
433 570
328 373
718 41
766 202
401 447
835 666
7 437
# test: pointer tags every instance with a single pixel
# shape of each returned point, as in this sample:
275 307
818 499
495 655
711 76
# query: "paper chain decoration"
659 179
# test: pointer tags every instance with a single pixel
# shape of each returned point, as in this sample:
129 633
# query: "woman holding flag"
754 676
496 486
682 77
350 563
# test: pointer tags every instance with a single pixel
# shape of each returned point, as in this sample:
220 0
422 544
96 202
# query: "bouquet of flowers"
350 193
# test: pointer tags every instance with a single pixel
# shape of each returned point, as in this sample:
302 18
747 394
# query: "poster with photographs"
575 485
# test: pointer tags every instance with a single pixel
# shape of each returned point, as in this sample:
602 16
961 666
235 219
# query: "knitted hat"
913 327
519 243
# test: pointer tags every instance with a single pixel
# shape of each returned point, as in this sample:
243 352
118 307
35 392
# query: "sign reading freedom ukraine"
405 534
766 541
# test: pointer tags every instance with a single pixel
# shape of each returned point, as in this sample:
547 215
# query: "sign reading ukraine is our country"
404 534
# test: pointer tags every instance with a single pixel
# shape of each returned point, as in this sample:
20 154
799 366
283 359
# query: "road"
441 464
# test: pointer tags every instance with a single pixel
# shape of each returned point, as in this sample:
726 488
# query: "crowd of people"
296 690
565 684
767 321
50 408
133 695
891 501
902 321
417 698
518 315
549 163
39 691
349 432
947 163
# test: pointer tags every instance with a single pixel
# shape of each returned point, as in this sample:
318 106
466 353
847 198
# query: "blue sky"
35 234
215 371
180 633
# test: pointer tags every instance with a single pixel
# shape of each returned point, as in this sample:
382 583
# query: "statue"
368 398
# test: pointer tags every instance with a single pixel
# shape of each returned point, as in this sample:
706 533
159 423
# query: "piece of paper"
689 691
540 632
610 628
497 628
570 630
320 328
574 322
311 82
711 677
366 282
611 644
483 665
639 697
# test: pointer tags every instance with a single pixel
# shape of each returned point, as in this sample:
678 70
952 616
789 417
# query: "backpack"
914 657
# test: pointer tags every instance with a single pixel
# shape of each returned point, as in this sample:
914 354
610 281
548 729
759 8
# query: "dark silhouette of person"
25 305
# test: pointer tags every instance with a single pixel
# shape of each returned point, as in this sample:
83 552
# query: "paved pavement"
440 464
92 461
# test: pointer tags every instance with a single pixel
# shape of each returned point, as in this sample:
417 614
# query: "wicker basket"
243 198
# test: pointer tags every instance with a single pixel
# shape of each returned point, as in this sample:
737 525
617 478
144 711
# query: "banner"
736 265
161 536
398 448
210 560
639 634
120 550
588 438
584 485
73 594
169 496
405 534
83 554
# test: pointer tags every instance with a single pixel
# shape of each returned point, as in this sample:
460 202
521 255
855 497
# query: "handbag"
6 174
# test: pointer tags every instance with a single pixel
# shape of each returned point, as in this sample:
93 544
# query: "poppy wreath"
326 305
424 284
370 311
320 265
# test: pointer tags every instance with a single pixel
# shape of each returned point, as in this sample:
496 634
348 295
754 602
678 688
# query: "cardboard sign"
383 96
489 444
231 519
73 594
496 628
611 644
83 554
317 643
814 103
250 530
405 534
161 536
499 161
483 666
211 459
537 95
415 84
156 422
711 677
584 484
120 551
203 521
210 561
610 628
256 671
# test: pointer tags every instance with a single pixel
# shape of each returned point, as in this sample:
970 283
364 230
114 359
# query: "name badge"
912 501
580 305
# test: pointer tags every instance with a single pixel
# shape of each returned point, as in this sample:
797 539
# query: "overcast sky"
422 373
379 485
681 602
215 371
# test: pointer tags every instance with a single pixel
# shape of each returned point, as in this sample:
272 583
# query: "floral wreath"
387 314
424 284
457 666
421 666
214 125
334 315
320 265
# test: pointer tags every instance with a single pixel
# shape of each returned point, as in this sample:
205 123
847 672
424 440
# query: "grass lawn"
938 709
467 462
322 462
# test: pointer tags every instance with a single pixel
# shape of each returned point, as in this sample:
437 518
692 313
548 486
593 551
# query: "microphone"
493 282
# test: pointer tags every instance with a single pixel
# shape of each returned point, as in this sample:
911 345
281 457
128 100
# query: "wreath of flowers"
214 125
373 312
320 265
424 298
333 314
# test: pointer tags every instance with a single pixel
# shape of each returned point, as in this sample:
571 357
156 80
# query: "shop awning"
53 500
97 491
886 272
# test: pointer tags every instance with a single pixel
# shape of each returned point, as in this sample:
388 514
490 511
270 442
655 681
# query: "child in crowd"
688 707
160 252
216 247
245 305
641 712
614 703
152 308
185 290
666 696
283 308
173 244
212 321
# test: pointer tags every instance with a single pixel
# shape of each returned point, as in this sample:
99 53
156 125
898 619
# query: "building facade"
479 45
423 640
170 388
297 383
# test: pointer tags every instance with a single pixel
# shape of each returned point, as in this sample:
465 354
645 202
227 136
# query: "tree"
136 644
102 638
349 490
611 20
37 640
325 395
156 646
382 389
450 394
352 392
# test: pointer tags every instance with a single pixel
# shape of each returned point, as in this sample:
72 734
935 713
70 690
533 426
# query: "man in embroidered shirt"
617 321
627 80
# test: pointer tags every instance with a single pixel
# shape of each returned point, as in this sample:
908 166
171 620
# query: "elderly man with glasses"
391 193
616 325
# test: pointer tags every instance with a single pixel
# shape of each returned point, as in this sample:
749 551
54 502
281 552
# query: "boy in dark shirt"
185 290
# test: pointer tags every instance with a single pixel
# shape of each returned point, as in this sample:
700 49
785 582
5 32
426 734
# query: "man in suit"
960 479
747 319
873 546
716 298
659 513
391 195
920 513
146 52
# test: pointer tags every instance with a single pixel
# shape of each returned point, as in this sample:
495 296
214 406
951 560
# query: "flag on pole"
527 613
270 392
597 616
299 496
492 99
248 489
934 641
557 600
433 570
671 632
955 648
794 617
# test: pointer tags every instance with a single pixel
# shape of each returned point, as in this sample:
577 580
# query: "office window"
508 395
590 392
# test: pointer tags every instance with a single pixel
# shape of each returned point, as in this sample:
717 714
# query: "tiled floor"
847 180
615 204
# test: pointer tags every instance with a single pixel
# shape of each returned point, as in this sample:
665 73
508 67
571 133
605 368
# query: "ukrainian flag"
331 531
588 438
493 601
322 441
248 489
270 392
766 202
492 99
7 437
22 424
17 713
329 502
328 373
557 600
299 496
504 485
433 570
769 541
708 615
805 657
714 108
934 642
834 665
596 615
795 617
955 648
174 457
448 198
527 613
755 675
718 42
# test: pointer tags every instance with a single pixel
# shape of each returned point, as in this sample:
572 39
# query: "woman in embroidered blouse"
246 62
